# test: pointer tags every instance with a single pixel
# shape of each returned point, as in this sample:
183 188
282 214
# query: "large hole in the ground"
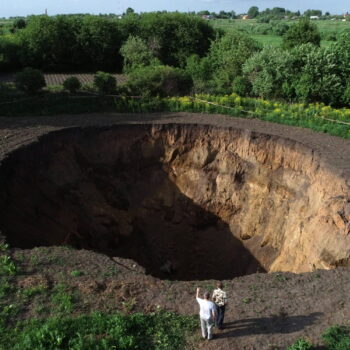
185 202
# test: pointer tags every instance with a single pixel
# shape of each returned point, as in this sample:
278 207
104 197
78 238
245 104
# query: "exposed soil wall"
185 201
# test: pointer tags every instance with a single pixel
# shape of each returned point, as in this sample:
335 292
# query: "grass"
326 28
62 298
156 331
296 114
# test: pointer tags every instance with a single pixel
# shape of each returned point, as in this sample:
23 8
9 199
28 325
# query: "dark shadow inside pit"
95 189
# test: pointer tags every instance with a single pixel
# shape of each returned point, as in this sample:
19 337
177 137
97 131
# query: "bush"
156 331
337 338
137 53
160 81
227 56
241 86
301 344
72 84
30 80
302 32
105 83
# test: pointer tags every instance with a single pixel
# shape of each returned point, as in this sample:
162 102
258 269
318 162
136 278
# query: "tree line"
166 54
80 43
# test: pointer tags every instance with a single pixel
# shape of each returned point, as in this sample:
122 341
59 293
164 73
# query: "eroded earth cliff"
185 201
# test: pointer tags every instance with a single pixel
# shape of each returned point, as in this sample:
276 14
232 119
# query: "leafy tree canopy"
302 32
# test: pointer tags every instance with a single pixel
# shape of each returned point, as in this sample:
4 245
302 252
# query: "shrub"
30 80
160 81
227 55
105 83
241 86
301 344
302 32
72 84
137 53
337 338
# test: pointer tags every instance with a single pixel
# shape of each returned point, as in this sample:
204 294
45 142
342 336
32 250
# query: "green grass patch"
337 338
156 331
63 298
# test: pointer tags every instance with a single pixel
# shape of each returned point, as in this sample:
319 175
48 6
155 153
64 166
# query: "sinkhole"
187 202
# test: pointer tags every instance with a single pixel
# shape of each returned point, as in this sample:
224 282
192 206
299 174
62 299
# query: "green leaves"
155 331
302 32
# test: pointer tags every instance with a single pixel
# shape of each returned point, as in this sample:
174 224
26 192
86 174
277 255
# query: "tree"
302 32
129 11
227 55
253 12
136 54
105 83
19 23
266 71
309 13
30 80
201 71
160 81
72 84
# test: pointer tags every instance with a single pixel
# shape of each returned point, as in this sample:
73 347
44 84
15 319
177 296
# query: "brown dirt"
266 311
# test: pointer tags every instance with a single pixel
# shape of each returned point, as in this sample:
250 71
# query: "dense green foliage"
302 32
337 338
30 80
160 81
305 73
72 84
137 53
76 43
105 83
301 344
156 331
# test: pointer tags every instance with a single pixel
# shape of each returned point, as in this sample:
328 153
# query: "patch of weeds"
156 331
76 273
7 266
31 291
5 287
63 298
41 309
58 260
111 271
301 344
208 286
19 257
337 338
6 312
3 247
129 305
247 300
280 277
34 260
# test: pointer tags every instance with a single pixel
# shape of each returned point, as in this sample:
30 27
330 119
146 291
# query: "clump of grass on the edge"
337 338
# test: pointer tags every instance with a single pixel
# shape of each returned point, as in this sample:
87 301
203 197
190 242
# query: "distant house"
207 17
245 17
314 17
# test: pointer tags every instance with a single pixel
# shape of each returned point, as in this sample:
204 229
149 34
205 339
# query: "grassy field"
328 28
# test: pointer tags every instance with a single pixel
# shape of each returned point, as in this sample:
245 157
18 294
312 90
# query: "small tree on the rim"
72 84
105 83
30 80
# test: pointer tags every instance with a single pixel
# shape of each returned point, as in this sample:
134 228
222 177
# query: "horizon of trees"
253 12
